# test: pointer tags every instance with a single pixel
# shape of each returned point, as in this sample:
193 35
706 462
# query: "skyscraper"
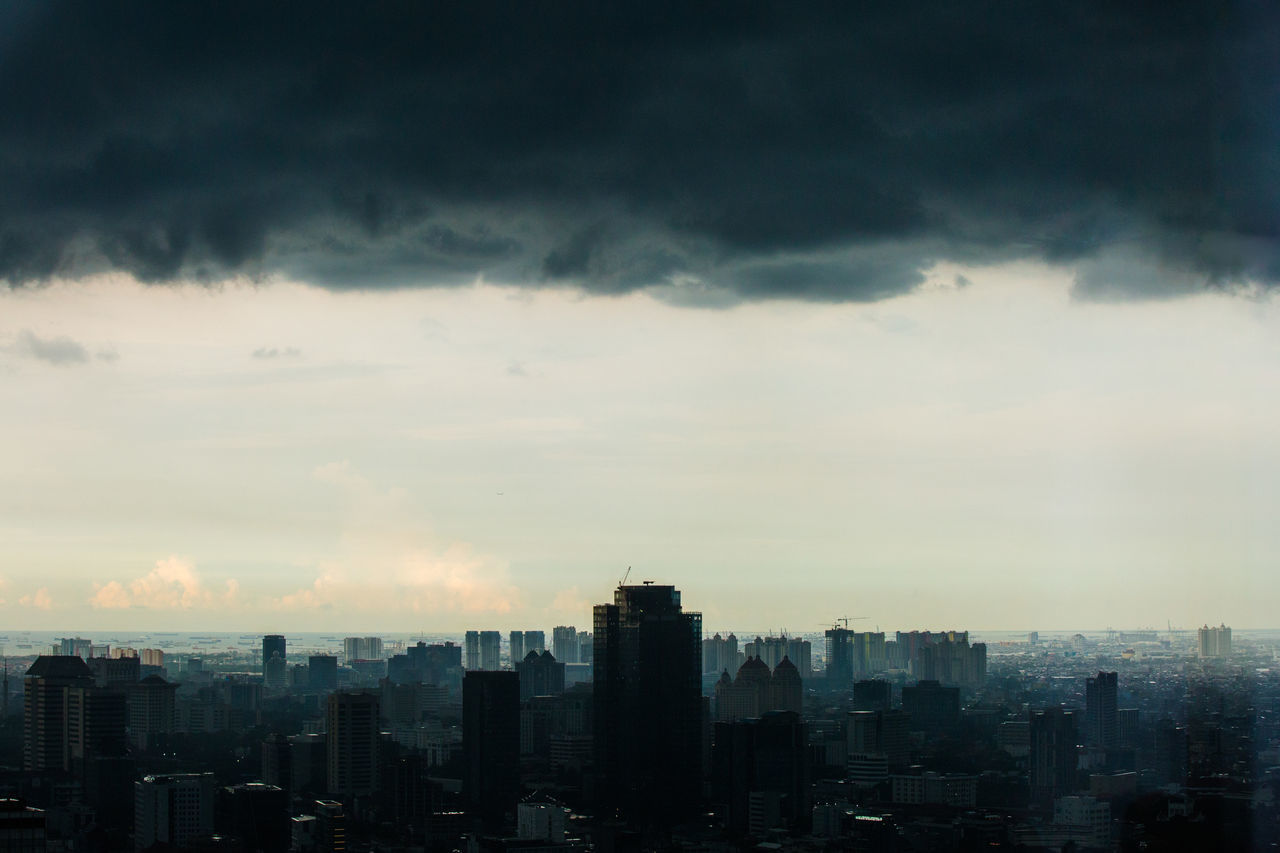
491 743
352 741
1053 754
322 672
46 743
272 644
1100 710
540 675
648 704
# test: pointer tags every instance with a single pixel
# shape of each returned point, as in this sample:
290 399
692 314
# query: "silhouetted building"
872 695
648 704
1053 755
932 707
22 828
1101 727
839 658
322 672
760 773
172 809
47 684
540 675
515 645
257 815
882 732
273 645
352 743
151 710
491 743
115 672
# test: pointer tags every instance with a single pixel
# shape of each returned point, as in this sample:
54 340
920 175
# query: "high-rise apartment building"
272 645
648 704
1215 642
352 743
564 643
490 650
515 644
361 648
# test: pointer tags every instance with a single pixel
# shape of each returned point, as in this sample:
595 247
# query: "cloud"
824 152
388 563
40 599
60 351
269 353
569 603
172 584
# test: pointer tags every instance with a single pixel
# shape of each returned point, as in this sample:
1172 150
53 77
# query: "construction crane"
624 577
835 623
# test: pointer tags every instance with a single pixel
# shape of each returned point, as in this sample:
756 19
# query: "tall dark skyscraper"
648 704
48 731
1100 710
1053 754
491 743
272 644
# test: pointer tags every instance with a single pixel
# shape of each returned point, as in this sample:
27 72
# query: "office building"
491 743
172 809
648 704
352 743
872 695
322 672
761 775
46 743
932 707
1101 725
331 827
273 645
22 828
881 732
255 814
1053 754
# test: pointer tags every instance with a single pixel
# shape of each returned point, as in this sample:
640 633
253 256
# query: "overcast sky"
391 318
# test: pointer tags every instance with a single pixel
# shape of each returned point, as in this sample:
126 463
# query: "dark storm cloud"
711 152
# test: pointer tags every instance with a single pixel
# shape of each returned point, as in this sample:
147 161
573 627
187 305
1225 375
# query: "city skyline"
413 321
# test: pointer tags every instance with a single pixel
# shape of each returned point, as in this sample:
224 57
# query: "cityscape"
636 731
457 426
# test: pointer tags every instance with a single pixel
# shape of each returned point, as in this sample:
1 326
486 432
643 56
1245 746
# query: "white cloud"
172 584
388 562
40 599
